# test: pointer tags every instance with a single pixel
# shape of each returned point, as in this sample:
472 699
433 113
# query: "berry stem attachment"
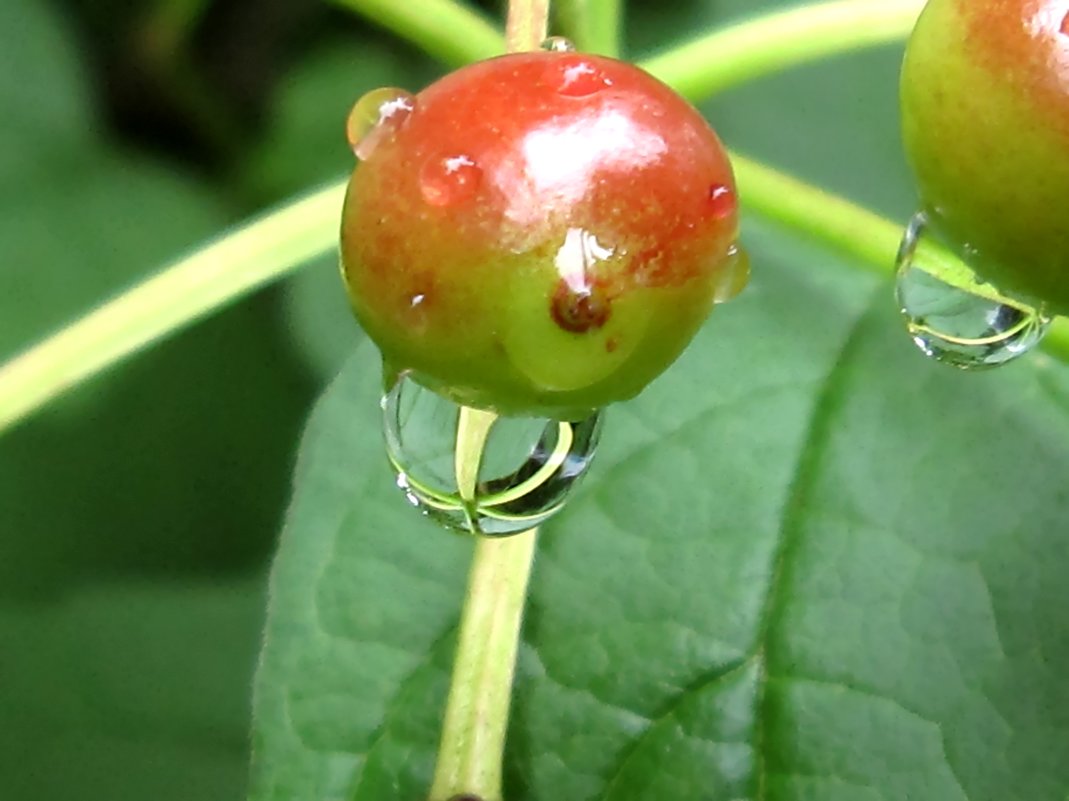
527 26
472 745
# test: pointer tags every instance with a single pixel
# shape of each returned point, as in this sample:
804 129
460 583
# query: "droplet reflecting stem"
953 316
526 473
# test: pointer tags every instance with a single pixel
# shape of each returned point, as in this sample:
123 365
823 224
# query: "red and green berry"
985 110
537 234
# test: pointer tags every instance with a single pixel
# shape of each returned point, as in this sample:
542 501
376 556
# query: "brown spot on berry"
611 344
581 310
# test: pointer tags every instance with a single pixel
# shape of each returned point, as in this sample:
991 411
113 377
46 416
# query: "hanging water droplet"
445 180
529 467
733 276
954 316
375 116
558 44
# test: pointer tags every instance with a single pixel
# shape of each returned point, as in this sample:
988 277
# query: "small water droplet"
581 78
558 44
722 201
445 180
951 315
375 116
530 466
733 276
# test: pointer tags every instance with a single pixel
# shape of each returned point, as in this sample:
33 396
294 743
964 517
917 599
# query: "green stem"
250 257
472 745
774 42
592 25
444 29
476 718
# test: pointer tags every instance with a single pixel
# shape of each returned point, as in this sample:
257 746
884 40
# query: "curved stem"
444 29
773 42
254 255
592 25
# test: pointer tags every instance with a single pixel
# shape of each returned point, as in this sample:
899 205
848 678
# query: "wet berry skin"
985 114
542 234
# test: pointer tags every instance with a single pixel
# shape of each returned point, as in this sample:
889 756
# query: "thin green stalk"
472 743
473 731
593 25
446 30
253 255
774 42
472 746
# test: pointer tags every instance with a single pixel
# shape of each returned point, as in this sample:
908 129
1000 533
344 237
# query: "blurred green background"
138 514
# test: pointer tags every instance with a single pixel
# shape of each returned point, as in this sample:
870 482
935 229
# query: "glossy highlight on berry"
445 180
581 78
541 234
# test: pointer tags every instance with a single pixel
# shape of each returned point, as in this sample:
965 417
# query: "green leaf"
127 507
158 468
128 692
809 564
42 92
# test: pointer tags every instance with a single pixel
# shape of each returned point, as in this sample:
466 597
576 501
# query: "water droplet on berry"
952 315
581 78
375 116
558 44
722 202
529 469
445 180
733 276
